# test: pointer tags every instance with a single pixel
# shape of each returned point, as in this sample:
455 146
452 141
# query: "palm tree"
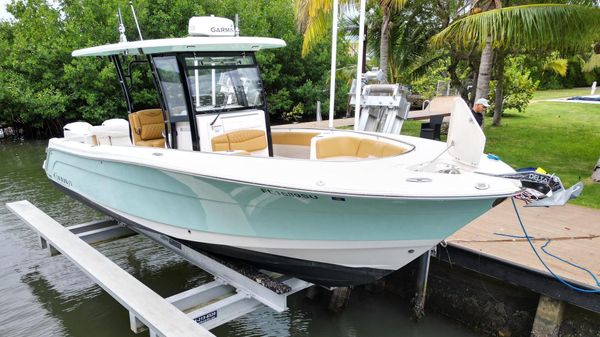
313 19
487 55
546 27
409 52
387 6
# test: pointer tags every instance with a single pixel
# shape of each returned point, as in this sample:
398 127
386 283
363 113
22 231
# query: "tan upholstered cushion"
220 143
152 123
369 148
153 142
292 138
392 150
337 146
147 128
375 148
136 127
356 147
246 140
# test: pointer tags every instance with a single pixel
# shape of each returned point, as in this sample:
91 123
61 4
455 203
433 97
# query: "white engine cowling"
77 131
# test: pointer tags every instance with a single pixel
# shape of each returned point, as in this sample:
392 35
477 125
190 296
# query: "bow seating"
352 148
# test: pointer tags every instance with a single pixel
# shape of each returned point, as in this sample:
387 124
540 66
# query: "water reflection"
84 309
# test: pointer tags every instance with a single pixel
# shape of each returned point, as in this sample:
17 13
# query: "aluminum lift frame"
190 313
383 107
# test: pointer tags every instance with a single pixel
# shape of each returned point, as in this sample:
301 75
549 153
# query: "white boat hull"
325 234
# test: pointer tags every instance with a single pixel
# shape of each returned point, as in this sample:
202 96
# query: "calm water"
49 296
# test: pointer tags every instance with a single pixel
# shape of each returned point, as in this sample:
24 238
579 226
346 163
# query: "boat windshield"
223 82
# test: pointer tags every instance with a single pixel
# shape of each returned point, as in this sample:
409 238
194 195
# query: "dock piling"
418 301
313 293
548 317
339 299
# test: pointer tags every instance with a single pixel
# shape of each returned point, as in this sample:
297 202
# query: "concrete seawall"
488 305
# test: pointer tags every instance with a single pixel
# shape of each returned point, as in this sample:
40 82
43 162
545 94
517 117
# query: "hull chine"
325 274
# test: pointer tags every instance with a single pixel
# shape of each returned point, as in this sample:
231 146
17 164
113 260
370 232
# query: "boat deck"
574 231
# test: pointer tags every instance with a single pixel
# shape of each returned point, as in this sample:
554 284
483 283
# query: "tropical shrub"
518 85
295 114
42 87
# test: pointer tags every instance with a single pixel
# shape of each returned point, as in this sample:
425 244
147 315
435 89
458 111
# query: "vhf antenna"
136 21
121 28
237 25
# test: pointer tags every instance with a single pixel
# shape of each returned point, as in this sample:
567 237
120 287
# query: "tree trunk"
473 88
455 80
485 70
499 89
384 45
596 173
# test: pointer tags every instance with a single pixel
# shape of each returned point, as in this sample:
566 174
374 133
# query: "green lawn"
562 138
562 93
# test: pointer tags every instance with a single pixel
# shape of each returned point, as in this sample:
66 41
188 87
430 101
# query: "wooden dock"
574 231
337 123
346 122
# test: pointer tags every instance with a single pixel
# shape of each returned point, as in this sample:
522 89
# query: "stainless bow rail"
190 313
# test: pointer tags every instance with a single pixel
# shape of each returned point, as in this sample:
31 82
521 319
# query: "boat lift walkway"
190 313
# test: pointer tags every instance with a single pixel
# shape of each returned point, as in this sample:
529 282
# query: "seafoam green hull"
234 208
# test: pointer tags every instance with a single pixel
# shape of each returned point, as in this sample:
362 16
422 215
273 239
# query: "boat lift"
232 294
383 107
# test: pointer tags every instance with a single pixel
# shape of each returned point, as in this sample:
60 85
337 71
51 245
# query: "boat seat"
292 137
240 140
353 147
114 132
147 128
292 144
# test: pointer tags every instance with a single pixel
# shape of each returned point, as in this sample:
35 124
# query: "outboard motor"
77 131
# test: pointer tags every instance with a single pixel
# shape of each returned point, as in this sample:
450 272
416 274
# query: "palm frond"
422 64
592 63
530 27
313 19
316 29
392 4
558 66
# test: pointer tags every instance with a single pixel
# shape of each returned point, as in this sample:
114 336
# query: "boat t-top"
333 207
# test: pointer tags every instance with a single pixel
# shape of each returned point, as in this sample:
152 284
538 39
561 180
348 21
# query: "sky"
3 13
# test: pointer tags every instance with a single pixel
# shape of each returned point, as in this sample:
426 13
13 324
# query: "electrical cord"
558 278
